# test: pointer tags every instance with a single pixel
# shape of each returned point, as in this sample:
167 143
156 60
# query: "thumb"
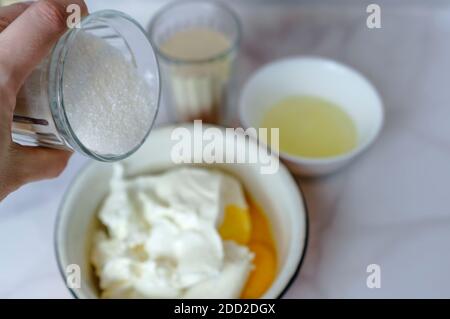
37 28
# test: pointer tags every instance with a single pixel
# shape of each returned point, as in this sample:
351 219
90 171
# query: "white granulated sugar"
109 105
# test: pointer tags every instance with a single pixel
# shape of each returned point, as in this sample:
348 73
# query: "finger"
9 13
36 163
30 37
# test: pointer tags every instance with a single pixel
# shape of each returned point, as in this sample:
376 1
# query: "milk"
197 70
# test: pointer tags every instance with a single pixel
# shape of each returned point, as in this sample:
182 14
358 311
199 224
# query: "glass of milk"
196 42
8 2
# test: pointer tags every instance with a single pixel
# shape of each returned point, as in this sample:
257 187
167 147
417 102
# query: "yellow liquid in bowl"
311 127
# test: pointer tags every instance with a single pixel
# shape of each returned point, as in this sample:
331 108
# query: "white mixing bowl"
278 194
320 77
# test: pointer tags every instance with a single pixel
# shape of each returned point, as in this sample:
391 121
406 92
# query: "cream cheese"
161 239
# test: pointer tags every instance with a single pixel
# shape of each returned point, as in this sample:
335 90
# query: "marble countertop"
390 207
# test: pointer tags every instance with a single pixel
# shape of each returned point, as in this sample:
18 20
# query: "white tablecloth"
390 207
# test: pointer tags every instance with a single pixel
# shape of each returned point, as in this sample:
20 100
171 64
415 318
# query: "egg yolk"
250 227
264 272
236 225
263 246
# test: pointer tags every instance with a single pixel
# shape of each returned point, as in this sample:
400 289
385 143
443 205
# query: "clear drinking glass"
8 2
196 88
40 116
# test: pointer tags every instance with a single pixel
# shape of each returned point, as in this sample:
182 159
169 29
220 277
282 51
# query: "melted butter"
311 127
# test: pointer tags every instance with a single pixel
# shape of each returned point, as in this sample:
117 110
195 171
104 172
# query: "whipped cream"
160 238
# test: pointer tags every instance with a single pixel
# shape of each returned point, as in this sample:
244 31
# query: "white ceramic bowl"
277 193
319 77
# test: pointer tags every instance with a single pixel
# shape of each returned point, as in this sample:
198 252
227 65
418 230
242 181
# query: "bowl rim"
359 148
62 213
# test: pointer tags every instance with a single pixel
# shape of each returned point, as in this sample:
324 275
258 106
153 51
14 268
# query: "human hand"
28 31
